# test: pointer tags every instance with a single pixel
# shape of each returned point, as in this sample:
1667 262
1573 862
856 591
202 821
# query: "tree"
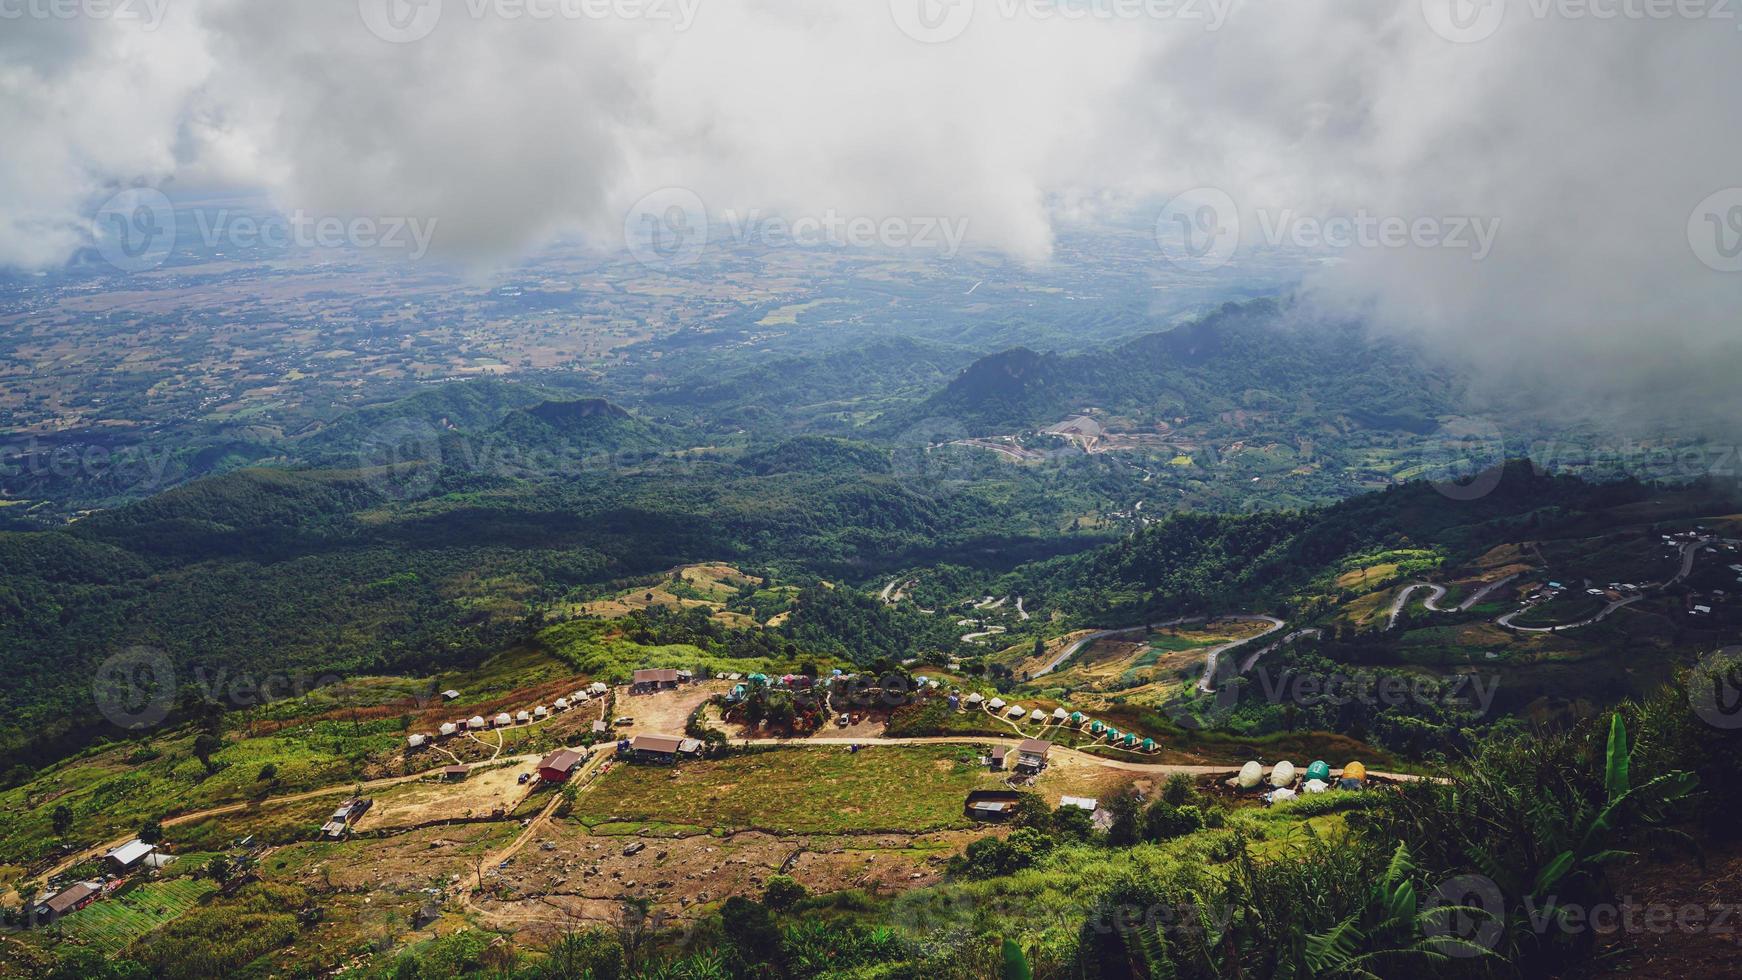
151 831
1179 790
595 953
220 868
1071 821
1126 809
782 892
205 743
63 819
1032 811
1164 821
268 773
751 930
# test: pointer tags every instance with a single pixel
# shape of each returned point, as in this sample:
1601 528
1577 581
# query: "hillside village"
524 799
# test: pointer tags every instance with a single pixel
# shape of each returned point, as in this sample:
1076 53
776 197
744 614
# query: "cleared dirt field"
572 875
479 795
666 712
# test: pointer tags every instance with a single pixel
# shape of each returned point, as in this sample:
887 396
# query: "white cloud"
1589 140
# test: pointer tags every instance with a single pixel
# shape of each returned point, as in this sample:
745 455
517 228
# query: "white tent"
504 719
448 728
523 716
541 712
996 704
416 741
975 699
597 688
1282 775
1037 715
562 704
476 723
1251 774
1016 711
1060 714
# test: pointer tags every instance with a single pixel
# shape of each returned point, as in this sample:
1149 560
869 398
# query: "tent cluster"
478 723
1286 782
1063 717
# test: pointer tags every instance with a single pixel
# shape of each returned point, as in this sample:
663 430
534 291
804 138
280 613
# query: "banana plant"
1625 806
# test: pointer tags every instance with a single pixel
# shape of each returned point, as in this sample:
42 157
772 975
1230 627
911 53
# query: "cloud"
1590 141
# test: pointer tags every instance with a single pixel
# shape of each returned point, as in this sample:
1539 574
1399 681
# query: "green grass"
908 789
110 925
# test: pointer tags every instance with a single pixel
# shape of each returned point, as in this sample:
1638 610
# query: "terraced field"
114 923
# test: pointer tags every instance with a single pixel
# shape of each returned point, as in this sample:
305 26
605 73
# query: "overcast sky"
1588 148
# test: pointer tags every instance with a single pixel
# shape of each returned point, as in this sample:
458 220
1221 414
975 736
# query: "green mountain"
1256 361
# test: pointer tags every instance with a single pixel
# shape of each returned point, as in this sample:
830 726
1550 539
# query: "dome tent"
1282 775
1251 774
1319 770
